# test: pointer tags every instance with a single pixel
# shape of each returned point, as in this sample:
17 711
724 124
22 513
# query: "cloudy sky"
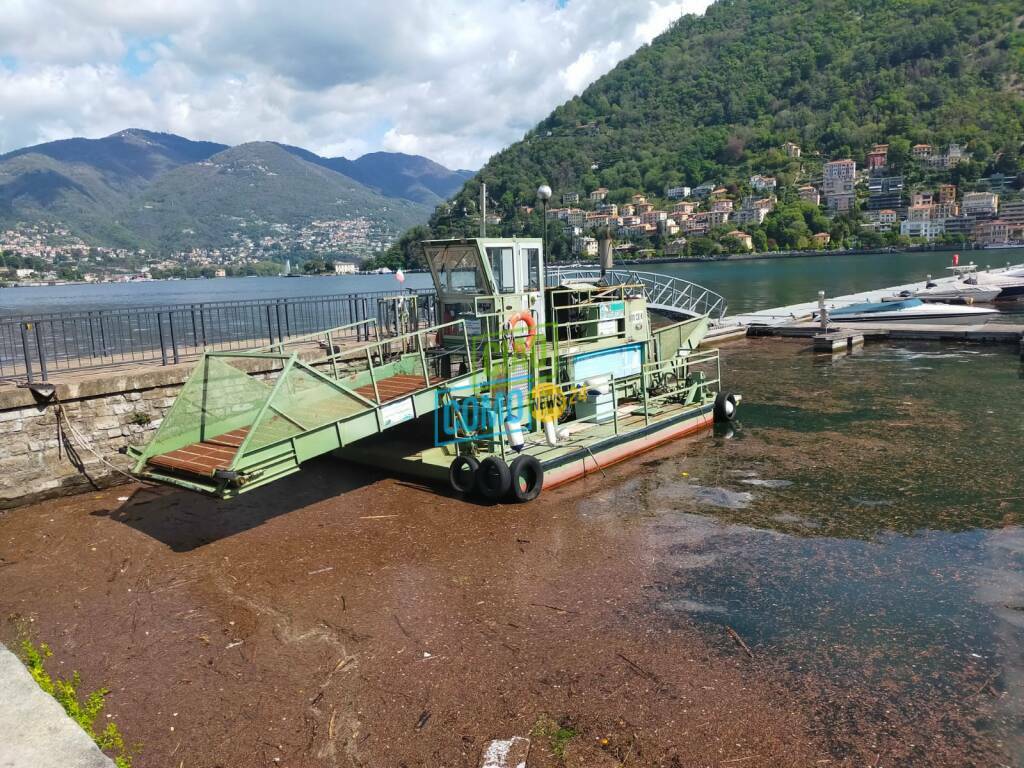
455 80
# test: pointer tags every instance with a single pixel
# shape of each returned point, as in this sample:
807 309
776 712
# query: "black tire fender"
493 479
725 407
527 478
462 474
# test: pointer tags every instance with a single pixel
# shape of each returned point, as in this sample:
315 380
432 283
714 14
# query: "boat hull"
920 319
1011 293
955 297
618 448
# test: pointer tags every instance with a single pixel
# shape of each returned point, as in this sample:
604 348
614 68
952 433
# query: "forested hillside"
140 189
716 96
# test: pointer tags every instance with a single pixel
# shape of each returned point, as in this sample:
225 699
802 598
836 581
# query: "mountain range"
716 96
139 188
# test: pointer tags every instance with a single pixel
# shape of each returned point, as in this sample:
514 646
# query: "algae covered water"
860 529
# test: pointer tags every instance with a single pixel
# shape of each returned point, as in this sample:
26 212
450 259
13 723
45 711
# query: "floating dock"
796 321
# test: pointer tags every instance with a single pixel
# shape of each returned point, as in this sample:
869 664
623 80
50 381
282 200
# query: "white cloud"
453 80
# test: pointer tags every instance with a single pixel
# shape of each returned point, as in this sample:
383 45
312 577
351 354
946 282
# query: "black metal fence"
33 347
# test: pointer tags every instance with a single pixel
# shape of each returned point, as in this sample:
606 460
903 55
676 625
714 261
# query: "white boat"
955 293
1009 284
911 311
1010 287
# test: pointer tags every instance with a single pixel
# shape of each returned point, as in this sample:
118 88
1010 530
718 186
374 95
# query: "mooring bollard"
822 312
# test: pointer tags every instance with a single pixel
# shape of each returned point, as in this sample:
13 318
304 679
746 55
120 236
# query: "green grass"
558 735
84 711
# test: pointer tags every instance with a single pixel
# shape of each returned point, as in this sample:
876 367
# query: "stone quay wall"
42 459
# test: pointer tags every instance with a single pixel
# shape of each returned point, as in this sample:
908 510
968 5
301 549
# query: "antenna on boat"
604 250
544 194
483 209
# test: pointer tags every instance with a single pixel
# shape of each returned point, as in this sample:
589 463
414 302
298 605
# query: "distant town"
882 210
32 253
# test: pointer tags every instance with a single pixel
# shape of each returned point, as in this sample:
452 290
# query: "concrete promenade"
34 730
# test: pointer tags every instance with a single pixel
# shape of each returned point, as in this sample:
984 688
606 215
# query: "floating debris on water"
684 605
767 483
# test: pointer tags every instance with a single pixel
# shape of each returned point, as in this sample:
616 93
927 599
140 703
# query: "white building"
763 183
926 229
584 246
677 193
981 204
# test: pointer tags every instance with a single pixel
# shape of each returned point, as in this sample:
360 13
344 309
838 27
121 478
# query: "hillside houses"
874 201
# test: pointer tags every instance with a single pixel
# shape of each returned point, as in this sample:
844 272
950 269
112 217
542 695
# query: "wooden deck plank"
203 458
395 387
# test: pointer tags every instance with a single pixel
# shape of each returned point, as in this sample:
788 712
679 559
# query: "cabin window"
532 269
458 270
503 269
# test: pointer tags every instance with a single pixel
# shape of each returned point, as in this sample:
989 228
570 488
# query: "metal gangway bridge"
668 295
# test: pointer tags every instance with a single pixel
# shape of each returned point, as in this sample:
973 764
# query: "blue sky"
453 80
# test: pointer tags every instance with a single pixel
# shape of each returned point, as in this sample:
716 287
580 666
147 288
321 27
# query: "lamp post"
544 194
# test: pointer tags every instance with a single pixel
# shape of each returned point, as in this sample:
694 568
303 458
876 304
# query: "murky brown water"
861 530
858 531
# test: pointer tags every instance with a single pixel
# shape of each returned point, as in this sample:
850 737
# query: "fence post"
280 328
174 338
270 326
103 338
160 330
41 352
92 336
24 347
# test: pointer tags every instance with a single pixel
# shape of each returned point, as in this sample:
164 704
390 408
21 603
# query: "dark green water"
766 283
861 530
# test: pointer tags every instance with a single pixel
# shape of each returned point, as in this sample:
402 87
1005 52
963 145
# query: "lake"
860 528
747 285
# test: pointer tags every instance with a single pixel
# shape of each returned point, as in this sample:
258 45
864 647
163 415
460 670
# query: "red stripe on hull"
587 464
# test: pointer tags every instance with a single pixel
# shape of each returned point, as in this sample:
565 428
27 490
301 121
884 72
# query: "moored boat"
527 378
954 293
1010 287
911 311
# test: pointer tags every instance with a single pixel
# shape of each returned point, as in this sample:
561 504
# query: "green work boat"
528 377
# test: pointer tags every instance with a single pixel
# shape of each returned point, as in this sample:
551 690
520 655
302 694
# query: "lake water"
747 285
71 298
861 529
765 283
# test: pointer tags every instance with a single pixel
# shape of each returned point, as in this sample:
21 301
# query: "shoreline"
758 256
770 255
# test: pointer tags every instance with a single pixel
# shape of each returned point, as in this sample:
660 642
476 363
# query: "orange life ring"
523 345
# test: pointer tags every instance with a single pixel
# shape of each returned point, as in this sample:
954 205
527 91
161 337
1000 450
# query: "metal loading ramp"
243 420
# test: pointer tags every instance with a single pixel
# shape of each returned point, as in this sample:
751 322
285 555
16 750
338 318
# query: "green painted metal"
295 404
293 410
